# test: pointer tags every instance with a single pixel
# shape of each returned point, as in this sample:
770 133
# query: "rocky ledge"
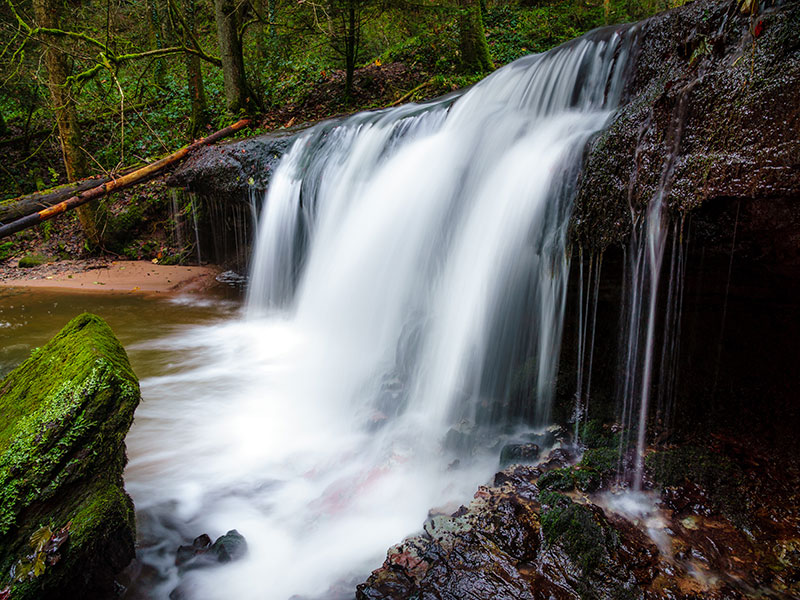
66 524
715 529
710 118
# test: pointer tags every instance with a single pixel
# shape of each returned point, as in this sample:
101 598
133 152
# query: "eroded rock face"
711 115
64 415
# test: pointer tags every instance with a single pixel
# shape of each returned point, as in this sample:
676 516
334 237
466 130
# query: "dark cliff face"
712 116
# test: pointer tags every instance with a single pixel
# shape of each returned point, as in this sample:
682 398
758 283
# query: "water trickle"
587 326
408 264
643 278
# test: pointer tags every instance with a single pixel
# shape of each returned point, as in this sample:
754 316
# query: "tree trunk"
230 49
156 40
194 77
48 14
474 50
350 48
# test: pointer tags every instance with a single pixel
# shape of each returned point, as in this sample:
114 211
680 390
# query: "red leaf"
758 29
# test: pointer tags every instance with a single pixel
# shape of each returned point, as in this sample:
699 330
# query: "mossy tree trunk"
474 50
48 14
194 77
226 13
156 40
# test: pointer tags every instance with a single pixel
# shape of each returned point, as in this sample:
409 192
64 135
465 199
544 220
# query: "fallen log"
138 176
22 206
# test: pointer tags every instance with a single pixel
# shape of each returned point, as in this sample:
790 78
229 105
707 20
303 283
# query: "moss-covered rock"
32 260
64 414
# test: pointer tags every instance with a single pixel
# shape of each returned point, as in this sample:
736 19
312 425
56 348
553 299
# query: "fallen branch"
22 206
410 93
138 176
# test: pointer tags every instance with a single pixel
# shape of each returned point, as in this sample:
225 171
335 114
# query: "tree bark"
48 14
194 77
474 50
226 14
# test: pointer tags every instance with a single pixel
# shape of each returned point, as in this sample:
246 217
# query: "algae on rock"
64 415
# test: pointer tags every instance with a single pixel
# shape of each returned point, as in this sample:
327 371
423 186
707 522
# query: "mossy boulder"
32 260
64 415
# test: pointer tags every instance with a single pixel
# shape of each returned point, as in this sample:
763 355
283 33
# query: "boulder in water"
66 524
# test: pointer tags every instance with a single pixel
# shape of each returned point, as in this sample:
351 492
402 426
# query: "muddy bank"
117 276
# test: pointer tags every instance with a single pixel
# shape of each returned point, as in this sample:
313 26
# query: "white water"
408 262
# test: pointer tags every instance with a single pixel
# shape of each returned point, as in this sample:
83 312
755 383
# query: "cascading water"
409 264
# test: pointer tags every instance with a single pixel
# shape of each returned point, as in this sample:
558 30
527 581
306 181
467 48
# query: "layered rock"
66 524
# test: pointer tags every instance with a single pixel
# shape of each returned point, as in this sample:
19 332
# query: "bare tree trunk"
230 49
194 77
474 50
48 14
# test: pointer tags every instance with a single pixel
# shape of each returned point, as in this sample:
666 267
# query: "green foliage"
6 250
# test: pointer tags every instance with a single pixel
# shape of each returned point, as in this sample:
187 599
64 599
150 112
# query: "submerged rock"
66 524
202 553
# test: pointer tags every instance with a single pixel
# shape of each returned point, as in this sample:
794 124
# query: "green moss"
32 260
557 480
593 435
64 414
719 476
602 460
574 528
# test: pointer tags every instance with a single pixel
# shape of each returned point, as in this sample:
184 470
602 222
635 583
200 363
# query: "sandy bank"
116 276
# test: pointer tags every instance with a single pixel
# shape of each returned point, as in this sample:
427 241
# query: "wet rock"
231 546
200 545
710 118
202 553
506 544
64 415
518 453
234 168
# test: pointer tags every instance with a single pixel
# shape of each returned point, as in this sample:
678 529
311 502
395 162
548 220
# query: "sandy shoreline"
114 276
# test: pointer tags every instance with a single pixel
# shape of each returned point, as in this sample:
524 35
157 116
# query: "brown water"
29 318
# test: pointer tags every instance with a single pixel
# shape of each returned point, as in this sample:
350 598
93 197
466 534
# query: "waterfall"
409 276
445 224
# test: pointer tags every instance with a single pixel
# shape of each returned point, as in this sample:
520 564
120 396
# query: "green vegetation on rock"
64 414
32 260
576 530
